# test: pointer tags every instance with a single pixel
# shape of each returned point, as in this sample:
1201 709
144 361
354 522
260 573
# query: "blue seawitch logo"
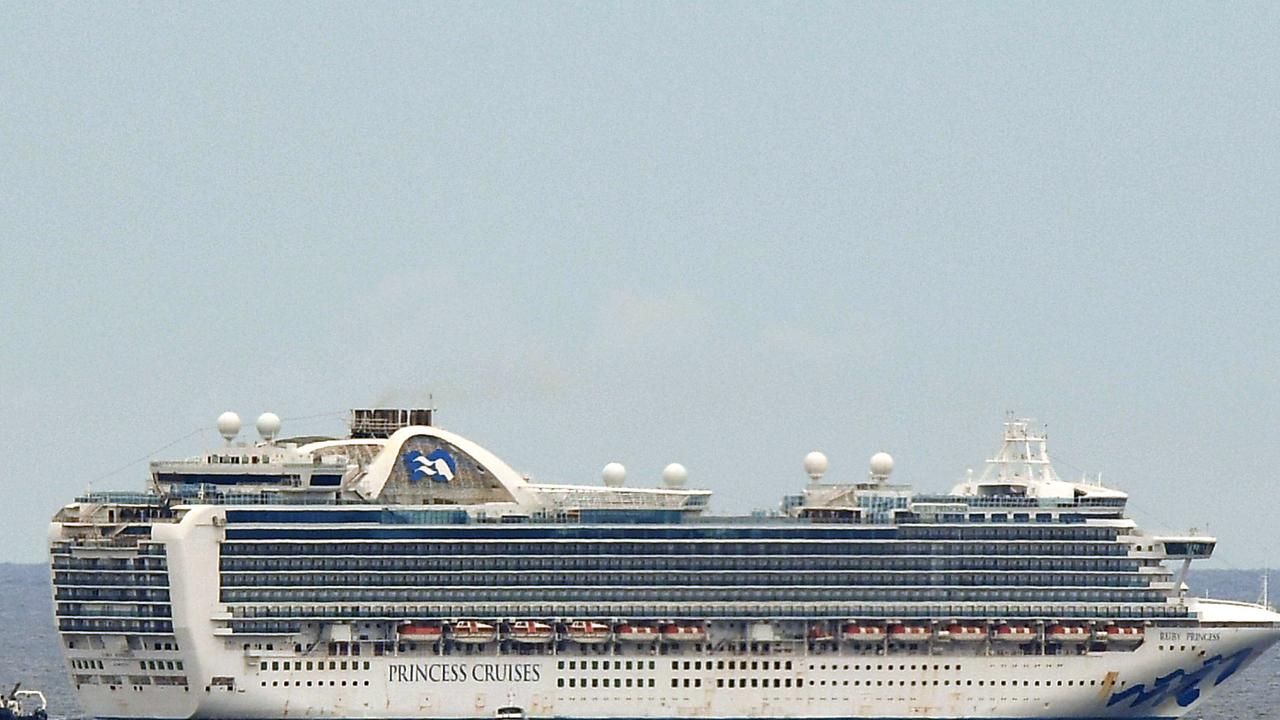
1183 685
439 466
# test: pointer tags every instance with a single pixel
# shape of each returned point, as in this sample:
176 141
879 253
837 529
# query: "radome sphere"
815 465
674 476
268 425
881 464
229 425
614 474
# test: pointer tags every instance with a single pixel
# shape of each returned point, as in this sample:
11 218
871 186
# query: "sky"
723 234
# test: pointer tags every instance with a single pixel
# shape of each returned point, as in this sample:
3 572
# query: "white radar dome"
268 426
815 465
881 464
614 474
674 476
229 425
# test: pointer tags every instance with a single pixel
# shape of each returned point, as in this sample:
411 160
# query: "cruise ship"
403 571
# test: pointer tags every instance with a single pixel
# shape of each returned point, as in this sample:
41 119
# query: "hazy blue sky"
723 234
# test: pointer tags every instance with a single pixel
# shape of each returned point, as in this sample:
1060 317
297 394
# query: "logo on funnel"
438 466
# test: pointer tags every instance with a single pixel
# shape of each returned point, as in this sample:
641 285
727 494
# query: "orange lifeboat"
684 633
1123 634
820 633
1015 633
910 633
636 633
588 632
531 631
863 633
1067 634
473 632
966 633
425 632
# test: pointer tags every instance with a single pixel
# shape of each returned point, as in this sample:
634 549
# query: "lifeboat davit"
684 633
588 632
1015 633
1068 634
531 631
1122 634
426 632
910 633
473 631
863 633
636 633
966 633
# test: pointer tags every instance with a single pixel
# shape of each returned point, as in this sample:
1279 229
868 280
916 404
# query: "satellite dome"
268 426
614 474
674 476
881 465
815 465
229 425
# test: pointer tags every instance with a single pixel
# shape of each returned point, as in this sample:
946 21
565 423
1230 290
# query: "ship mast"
1023 457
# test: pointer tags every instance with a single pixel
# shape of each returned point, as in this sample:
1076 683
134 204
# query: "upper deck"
387 461
391 471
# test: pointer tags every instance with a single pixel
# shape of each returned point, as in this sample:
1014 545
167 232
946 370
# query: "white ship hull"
1164 678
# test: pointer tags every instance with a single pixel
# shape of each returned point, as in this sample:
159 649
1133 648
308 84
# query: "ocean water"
31 655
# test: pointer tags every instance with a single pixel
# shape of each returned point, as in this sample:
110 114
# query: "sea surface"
29 651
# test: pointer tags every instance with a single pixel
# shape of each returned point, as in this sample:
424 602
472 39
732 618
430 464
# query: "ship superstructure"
406 572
